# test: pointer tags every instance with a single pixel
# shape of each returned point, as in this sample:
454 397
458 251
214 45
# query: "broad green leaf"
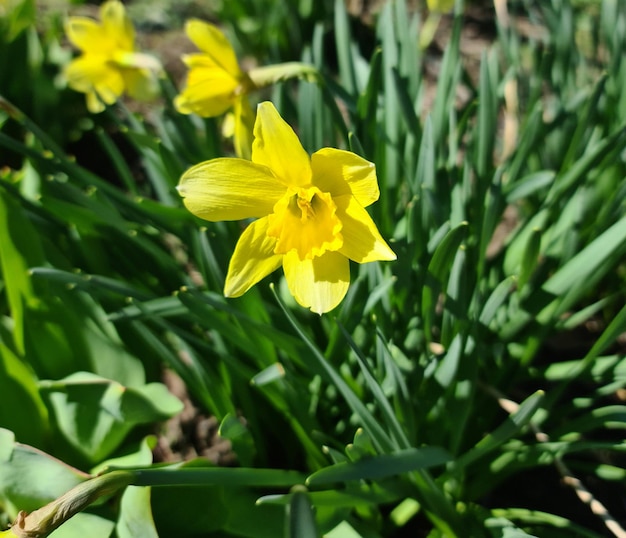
95 414
136 456
23 410
84 524
135 519
249 520
30 478
21 248
236 431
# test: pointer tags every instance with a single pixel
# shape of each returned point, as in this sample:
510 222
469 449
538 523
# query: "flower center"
305 221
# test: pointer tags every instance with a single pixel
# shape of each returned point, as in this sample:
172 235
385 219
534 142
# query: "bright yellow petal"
342 172
210 40
252 260
362 241
229 189
94 103
117 25
319 284
210 92
277 147
243 127
89 36
92 73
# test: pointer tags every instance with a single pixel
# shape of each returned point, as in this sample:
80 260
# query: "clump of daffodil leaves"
310 211
109 65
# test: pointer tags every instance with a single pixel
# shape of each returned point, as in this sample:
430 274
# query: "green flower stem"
271 74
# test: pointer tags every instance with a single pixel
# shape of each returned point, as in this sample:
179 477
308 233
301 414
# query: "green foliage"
443 379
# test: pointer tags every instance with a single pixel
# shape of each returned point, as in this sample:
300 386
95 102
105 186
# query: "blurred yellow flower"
310 212
440 6
216 83
109 65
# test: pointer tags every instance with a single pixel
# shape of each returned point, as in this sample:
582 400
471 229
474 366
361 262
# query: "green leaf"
236 431
135 519
438 269
391 421
23 410
345 48
301 516
135 456
21 248
597 258
82 525
95 414
502 433
381 466
496 300
487 115
319 364
30 478
528 185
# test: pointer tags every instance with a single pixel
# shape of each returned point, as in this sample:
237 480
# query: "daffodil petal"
243 127
117 25
210 40
277 147
320 283
94 103
209 93
341 172
362 241
90 72
140 84
229 189
87 35
252 260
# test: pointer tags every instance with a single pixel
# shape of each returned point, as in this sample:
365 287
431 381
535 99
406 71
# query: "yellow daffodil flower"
108 65
310 212
216 83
